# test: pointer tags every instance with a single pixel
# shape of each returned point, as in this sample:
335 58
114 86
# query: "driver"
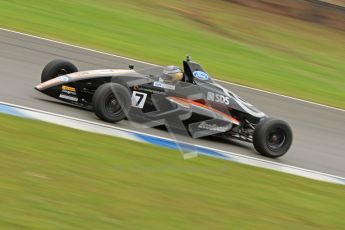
171 74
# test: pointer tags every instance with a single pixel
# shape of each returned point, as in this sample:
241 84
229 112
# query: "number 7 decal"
138 99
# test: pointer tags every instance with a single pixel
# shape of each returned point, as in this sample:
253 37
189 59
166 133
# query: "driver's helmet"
172 73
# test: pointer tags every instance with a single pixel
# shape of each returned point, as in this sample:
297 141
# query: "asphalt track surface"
319 132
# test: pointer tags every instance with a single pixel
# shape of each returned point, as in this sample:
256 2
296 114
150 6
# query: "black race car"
195 105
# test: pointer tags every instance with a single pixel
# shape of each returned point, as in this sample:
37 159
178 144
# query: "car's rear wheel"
272 137
57 68
111 102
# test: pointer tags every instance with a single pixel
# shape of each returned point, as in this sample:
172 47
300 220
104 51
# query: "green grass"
234 43
53 177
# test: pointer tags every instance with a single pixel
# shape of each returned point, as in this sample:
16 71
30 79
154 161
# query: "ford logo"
200 75
64 78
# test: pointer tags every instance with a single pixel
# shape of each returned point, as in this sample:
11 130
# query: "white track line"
239 158
147 63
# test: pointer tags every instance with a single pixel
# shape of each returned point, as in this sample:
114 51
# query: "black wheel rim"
112 106
61 72
276 139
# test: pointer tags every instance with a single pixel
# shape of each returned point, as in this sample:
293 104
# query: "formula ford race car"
194 105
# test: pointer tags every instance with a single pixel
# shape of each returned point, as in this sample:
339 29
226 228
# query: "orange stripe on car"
185 100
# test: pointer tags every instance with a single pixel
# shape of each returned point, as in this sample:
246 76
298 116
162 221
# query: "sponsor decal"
68 92
149 90
218 98
200 75
67 97
68 88
163 85
213 127
64 78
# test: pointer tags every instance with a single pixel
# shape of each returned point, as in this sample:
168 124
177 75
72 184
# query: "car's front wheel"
111 102
272 137
57 68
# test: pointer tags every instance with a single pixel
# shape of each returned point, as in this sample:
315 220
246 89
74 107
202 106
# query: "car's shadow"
65 104
214 139
222 140
229 141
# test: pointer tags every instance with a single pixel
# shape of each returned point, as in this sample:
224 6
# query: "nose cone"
38 87
48 84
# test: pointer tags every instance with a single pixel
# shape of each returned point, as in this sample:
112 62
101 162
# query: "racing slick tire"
111 102
57 68
272 138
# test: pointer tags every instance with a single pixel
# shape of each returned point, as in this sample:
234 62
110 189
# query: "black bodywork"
197 103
